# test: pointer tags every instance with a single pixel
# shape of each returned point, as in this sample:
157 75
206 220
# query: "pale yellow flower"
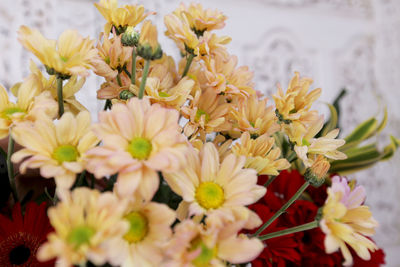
193 245
120 17
206 113
206 185
201 20
70 55
252 115
84 222
57 149
178 29
346 221
112 57
295 104
31 105
139 139
149 230
148 46
260 154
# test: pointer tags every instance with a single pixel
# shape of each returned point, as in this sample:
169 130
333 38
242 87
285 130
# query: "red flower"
21 237
377 259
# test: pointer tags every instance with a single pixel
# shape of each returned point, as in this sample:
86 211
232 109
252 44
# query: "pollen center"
163 94
206 253
199 114
80 235
65 153
210 195
8 112
138 227
140 148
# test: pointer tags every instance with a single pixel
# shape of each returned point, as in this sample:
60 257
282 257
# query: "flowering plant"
175 172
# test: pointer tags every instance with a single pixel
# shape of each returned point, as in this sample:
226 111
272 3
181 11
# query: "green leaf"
360 133
332 122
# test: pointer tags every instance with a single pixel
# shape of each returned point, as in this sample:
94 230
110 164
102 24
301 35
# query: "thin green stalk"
270 180
299 228
283 208
119 80
10 168
188 63
107 105
133 71
60 96
144 78
126 71
81 178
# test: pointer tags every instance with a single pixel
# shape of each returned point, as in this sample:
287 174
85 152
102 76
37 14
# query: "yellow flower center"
304 142
65 153
8 112
138 227
200 113
64 58
163 94
206 254
80 235
210 195
140 148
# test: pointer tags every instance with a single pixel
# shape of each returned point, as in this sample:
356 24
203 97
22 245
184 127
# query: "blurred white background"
339 43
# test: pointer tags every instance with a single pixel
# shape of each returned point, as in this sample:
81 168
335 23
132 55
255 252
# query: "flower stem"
283 208
144 78
188 63
60 96
299 228
10 168
270 180
133 71
119 80
107 105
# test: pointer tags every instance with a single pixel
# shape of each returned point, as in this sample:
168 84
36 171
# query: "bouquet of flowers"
187 165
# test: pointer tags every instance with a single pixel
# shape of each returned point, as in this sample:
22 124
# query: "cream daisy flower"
345 221
149 230
57 149
139 139
206 185
260 154
84 222
31 105
70 55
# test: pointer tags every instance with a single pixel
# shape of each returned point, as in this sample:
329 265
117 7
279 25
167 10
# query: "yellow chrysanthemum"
260 154
206 185
295 104
207 113
148 46
70 55
149 230
120 17
346 221
85 221
178 29
195 245
32 104
253 116
113 57
57 149
139 139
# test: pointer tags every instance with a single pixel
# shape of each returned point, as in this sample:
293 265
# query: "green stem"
133 71
292 156
119 80
60 96
107 105
144 78
299 228
270 180
81 178
283 208
188 63
10 168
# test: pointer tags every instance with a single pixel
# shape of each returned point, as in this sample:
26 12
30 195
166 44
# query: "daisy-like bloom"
31 105
207 185
112 57
194 245
201 20
120 17
206 113
252 115
346 221
260 154
22 235
85 221
70 55
307 146
148 46
139 139
295 104
178 29
224 76
149 230
57 149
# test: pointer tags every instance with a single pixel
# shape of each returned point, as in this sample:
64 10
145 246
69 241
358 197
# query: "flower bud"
125 95
315 175
130 37
148 47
